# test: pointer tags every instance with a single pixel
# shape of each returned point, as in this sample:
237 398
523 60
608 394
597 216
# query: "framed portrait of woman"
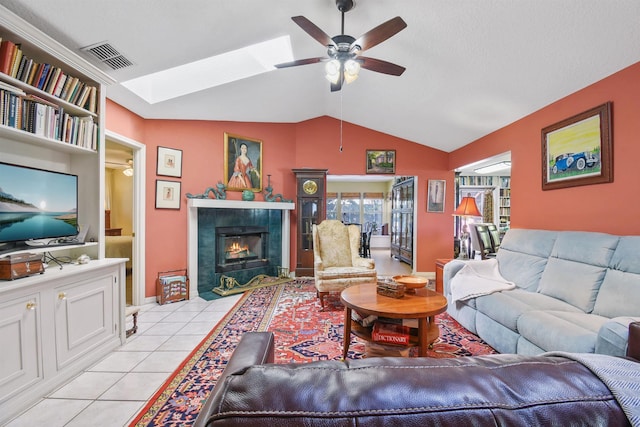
242 163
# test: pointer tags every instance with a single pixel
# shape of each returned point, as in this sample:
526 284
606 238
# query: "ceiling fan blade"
300 62
380 33
313 30
380 66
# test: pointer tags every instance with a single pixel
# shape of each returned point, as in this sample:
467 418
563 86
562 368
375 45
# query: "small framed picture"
381 161
169 162
436 195
167 194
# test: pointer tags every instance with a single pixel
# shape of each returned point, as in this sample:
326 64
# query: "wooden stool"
132 311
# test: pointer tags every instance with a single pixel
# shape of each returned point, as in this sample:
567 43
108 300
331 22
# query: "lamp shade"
467 207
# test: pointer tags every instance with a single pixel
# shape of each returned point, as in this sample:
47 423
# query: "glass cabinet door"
309 212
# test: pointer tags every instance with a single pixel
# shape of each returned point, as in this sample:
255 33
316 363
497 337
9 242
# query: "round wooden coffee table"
423 305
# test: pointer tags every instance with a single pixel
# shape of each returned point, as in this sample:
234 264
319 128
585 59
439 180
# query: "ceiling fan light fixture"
128 172
351 70
332 68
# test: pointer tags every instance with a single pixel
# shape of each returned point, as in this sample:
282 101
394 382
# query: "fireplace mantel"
194 205
237 204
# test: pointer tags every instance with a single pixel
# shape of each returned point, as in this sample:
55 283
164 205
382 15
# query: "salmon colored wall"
318 146
611 207
124 122
285 146
315 144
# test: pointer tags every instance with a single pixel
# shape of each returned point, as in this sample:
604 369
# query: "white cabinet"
20 358
54 325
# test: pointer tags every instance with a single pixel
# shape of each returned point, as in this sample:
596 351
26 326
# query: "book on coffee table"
390 333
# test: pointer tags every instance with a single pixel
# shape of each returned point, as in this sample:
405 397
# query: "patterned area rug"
302 334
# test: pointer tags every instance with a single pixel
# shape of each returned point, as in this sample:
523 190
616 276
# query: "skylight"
210 72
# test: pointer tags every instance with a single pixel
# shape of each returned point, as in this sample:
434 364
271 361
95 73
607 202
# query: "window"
350 208
356 208
372 210
332 205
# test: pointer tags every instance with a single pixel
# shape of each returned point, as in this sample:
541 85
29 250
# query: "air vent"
108 55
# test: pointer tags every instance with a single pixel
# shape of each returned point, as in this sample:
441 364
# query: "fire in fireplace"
241 247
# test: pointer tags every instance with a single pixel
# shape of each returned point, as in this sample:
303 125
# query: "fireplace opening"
241 247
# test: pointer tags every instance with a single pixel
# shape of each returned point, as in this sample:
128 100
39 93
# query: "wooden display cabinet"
310 209
402 220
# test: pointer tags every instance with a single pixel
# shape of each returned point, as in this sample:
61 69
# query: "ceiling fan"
127 168
343 54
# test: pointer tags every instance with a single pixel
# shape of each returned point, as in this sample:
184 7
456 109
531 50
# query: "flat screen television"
36 205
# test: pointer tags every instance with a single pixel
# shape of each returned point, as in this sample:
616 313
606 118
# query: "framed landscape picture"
242 163
577 150
381 161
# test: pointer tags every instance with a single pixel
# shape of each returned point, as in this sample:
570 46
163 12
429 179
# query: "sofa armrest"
450 269
254 348
633 348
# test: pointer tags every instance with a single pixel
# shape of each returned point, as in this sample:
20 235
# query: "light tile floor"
114 390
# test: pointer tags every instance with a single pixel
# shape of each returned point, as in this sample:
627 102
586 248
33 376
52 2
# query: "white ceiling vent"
108 55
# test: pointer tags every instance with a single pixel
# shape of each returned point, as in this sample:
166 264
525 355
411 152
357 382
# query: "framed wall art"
577 150
169 162
167 194
436 195
381 161
242 163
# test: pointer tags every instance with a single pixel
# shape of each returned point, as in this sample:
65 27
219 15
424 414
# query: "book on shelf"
52 78
32 73
15 63
43 75
7 51
21 66
59 85
24 74
46 77
11 88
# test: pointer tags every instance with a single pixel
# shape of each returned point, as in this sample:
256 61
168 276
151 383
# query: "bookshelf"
46 127
501 186
42 311
505 204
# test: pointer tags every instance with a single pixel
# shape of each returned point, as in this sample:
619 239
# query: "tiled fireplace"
235 239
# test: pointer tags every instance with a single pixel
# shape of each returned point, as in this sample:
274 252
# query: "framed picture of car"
577 150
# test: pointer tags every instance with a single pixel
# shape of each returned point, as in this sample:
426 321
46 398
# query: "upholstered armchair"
337 262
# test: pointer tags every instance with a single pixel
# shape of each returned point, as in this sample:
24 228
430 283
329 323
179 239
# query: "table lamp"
466 208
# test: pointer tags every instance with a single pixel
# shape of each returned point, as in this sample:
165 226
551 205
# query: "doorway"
366 200
125 161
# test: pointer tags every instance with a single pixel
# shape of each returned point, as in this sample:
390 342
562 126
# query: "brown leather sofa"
496 390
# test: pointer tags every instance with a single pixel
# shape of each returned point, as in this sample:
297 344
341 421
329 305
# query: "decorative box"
20 265
391 289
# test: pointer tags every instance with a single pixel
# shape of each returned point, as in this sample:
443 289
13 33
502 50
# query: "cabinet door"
84 317
20 365
309 216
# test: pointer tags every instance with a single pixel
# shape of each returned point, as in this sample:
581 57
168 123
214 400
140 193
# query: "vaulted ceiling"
473 66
